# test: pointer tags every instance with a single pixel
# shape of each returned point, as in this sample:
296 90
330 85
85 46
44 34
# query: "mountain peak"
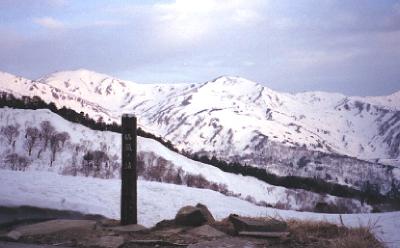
79 74
395 94
8 77
391 101
234 81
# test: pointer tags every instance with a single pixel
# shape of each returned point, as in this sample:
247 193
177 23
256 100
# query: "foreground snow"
157 201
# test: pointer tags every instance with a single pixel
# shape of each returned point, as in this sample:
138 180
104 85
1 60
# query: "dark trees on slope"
9 100
10 132
87 163
16 162
57 141
32 134
47 131
12 160
96 161
100 160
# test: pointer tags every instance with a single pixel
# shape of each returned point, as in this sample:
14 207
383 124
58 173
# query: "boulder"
264 234
230 242
129 228
164 224
109 222
54 226
13 236
24 245
204 210
193 216
168 232
206 231
257 225
108 242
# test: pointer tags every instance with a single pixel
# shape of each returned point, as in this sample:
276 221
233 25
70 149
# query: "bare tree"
55 145
22 163
12 160
99 157
39 152
10 132
87 163
32 134
74 160
63 136
97 163
47 131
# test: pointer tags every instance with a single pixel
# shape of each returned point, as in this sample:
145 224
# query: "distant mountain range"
343 139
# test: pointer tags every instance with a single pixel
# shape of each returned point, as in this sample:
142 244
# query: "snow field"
158 201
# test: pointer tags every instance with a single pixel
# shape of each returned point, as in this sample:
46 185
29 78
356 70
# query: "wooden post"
128 171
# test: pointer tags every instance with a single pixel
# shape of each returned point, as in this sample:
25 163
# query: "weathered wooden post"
128 170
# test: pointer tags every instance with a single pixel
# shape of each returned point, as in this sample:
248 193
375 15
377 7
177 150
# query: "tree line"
35 102
369 192
43 138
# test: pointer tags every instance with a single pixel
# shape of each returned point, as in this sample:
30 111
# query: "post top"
128 116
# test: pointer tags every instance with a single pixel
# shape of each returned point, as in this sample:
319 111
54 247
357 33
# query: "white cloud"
57 3
48 22
312 59
52 23
188 21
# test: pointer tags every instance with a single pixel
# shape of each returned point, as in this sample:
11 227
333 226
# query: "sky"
347 46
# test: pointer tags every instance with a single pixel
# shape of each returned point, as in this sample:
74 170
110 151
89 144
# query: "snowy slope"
239 120
84 139
19 87
157 201
171 110
392 100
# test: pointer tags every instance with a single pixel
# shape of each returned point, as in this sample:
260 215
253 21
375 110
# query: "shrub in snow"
154 168
16 162
95 163
10 132
251 199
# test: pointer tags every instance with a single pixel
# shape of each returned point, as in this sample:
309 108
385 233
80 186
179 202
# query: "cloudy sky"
348 46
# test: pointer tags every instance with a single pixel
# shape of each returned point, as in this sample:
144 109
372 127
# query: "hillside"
237 120
156 162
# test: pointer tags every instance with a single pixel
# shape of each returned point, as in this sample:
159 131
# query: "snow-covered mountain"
315 134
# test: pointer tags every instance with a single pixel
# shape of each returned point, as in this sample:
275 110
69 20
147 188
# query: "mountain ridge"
83 70
110 95
238 120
